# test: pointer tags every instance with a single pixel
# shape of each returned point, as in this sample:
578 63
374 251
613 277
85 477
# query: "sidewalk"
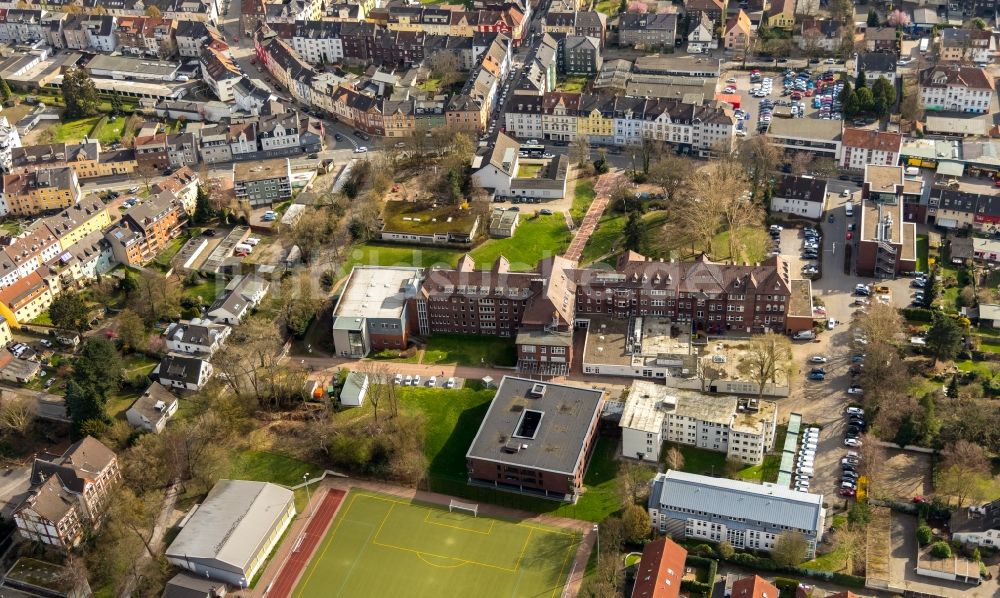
602 190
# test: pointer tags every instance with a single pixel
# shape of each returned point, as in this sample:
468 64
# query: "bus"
533 150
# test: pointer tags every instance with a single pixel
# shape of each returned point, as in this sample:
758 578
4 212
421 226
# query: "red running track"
286 579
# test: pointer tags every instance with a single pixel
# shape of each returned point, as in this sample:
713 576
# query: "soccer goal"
463 506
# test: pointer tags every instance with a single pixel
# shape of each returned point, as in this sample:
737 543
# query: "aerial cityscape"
500 298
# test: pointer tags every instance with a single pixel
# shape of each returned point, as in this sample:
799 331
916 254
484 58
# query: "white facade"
856 158
9 139
800 207
989 538
939 92
315 51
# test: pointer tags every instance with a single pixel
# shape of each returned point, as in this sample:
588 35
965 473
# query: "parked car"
818 359
817 376
852 442
855 411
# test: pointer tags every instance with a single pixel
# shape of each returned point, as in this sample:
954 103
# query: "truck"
924 45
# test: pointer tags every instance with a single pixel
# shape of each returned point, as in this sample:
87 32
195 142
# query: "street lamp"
305 477
597 530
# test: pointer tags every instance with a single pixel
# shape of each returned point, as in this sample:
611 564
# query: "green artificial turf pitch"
382 545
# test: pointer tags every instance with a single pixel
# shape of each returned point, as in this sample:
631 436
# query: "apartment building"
162 151
9 140
710 296
84 260
263 183
183 183
820 137
25 300
27 253
738 30
220 72
955 209
886 243
875 66
45 189
196 337
749 516
801 196
510 451
660 570
146 229
318 41
87 159
967 45
956 88
742 428
649 30
866 146
581 55
68 495
76 222
715 10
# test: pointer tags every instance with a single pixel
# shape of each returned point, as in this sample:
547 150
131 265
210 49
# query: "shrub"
704 550
924 535
726 550
941 550
917 314
695 587
786 584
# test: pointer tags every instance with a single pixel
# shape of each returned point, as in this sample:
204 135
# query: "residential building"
649 30
955 209
26 254
220 72
45 189
820 137
714 10
956 89
737 32
710 296
162 151
802 196
967 45
660 570
747 515
146 229
876 65
510 451
241 295
183 183
190 36
701 37
231 534
69 494
361 324
263 183
886 242
78 221
83 261
25 300
576 23
581 55
743 429
755 586
820 34
196 337
9 140
882 39
544 352
146 36
781 14
318 42
868 146
152 409
183 372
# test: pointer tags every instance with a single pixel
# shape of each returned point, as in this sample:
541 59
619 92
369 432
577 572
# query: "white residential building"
861 147
743 429
749 516
802 196
183 372
196 337
318 42
9 139
152 410
956 89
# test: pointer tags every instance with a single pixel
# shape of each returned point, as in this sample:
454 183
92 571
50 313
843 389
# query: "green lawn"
381 545
536 238
608 7
163 258
375 254
982 368
754 246
119 403
431 85
74 130
43 319
583 196
572 84
135 363
111 131
604 240
712 463
922 248
463 349
208 290
834 561
765 472
264 466
529 171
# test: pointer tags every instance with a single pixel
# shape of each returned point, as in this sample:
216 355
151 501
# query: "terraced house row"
620 120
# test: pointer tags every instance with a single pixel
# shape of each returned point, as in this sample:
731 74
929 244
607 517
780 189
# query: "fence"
459 487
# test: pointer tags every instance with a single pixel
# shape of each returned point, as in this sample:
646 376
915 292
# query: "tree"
911 107
154 12
962 472
941 550
633 481
760 158
84 405
98 367
944 338
634 231
671 173
726 550
845 92
252 367
203 211
156 296
790 549
296 303
873 20
766 355
445 67
69 311
842 10
16 413
852 106
79 94
637 524
5 92
882 87
861 81
866 101
131 330
117 105
675 459
146 172
580 150
898 18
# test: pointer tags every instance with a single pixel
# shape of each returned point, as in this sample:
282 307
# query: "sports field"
381 545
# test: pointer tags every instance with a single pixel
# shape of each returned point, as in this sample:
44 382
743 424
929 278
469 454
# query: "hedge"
711 565
917 314
785 583
692 586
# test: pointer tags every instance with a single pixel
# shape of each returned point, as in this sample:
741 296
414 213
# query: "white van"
849 209
912 171
804 335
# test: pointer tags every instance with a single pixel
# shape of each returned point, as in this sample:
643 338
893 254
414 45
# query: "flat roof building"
372 312
264 182
747 515
231 533
135 69
536 438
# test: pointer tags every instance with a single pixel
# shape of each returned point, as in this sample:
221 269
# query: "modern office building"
373 311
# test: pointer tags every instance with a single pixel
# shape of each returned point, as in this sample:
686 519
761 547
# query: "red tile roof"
660 570
754 587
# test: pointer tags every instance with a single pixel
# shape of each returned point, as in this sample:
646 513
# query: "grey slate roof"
568 413
766 503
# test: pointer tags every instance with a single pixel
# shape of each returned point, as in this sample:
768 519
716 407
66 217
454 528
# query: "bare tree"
633 482
800 162
759 158
675 459
963 471
739 210
671 173
873 457
16 413
445 67
580 150
766 355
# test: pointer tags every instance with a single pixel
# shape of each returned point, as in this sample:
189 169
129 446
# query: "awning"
947 168
946 222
